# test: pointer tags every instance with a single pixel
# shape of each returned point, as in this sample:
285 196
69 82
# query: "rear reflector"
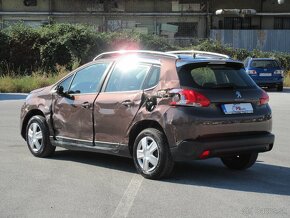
204 154
187 97
265 98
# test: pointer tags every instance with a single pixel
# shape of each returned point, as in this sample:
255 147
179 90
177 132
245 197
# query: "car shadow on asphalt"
261 178
97 159
8 96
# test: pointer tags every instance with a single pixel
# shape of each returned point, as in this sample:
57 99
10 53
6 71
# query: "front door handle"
86 104
127 103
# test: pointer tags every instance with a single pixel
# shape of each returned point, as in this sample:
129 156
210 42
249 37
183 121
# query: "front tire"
151 154
240 162
37 137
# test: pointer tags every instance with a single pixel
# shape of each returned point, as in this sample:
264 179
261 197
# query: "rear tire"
280 88
37 137
151 154
240 162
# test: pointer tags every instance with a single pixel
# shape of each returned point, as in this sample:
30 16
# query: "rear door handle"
127 103
86 104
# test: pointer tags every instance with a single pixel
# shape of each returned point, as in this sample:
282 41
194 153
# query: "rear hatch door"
225 84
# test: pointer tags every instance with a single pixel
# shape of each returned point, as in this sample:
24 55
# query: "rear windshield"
214 77
264 64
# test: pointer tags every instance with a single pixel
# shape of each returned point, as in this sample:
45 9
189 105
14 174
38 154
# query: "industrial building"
179 20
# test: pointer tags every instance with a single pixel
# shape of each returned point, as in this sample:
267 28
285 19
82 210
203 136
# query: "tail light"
264 98
252 72
187 97
204 154
279 72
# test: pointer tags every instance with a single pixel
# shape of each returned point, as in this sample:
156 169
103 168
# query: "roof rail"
201 53
145 52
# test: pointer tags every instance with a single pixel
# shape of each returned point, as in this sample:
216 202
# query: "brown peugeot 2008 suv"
155 107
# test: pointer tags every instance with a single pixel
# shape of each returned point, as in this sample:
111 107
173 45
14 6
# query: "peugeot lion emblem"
238 94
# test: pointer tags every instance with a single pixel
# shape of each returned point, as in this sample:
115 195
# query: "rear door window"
214 77
127 78
153 78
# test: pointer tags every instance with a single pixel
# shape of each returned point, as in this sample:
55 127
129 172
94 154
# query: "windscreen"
214 76
264 64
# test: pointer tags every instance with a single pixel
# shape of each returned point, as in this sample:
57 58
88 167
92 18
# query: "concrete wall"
10 5
76 5
18 6
95 21
230 4
148 6
140 6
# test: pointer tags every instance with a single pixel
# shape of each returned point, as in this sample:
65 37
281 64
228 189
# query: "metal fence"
265 40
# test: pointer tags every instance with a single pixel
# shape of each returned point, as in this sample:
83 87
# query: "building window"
282 23
186 29
29 3
237 23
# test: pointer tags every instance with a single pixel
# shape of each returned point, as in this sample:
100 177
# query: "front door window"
87 80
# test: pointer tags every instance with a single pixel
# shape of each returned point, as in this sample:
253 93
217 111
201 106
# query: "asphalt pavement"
81 184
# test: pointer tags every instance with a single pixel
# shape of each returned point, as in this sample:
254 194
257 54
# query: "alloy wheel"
35 137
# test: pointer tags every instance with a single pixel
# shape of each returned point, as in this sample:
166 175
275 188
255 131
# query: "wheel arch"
27 117
140 126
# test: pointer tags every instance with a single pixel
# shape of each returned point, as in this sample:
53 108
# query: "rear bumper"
270 83
222 146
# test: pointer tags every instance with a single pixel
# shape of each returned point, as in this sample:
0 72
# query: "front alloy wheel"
35 140
37 137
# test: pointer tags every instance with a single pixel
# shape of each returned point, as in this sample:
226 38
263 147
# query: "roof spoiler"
195 53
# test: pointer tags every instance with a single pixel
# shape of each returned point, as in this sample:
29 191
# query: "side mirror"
59 90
